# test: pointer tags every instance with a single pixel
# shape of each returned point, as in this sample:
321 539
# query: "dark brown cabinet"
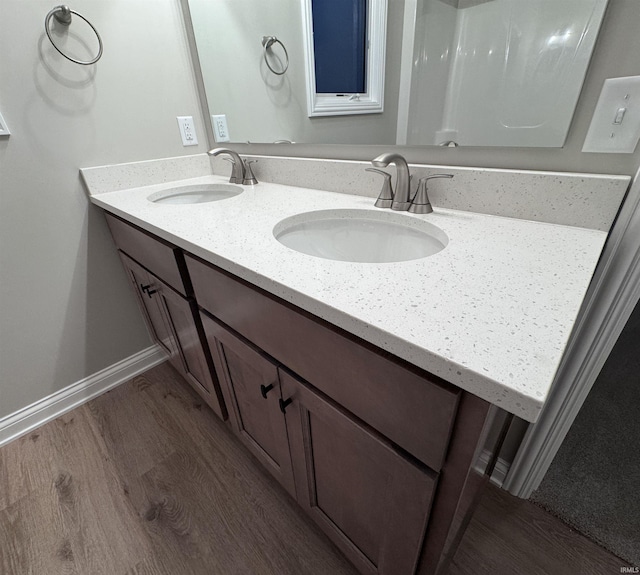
370 499
251 389
153 268
145 289
194 365
379 453
171 319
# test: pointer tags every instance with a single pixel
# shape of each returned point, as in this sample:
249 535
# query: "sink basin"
195 194
365 236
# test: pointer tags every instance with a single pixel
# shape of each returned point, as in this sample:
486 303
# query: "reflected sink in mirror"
196 194
363 236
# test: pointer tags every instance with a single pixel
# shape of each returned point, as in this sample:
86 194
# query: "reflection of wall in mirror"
263 107
515 70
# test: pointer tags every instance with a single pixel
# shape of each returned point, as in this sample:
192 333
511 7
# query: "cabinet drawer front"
405 405
370 500
157 256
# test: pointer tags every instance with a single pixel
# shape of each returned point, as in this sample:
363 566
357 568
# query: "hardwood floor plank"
508 533
33 539
146 480
133 433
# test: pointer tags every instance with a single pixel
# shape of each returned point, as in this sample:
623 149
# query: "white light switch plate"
4 129
187 131
619 102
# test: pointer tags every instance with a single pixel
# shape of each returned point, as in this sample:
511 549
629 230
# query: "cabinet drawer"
407 405
158 256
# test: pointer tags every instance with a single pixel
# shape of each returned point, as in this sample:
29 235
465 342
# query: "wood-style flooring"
146 480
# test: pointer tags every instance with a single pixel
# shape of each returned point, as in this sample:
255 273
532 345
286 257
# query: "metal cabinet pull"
265 389
145 288
283 404
151 292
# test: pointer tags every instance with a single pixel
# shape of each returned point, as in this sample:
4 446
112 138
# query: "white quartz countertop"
491 313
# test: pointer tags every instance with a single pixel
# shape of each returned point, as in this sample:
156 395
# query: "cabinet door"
195 363
145 286
370 499
251 389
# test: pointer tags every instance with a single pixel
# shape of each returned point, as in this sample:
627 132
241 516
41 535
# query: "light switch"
619 116
615 126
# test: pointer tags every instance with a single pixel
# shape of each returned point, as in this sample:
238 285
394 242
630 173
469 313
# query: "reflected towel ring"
62 14
267 42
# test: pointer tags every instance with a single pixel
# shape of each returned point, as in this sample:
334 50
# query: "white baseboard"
499 471
25 420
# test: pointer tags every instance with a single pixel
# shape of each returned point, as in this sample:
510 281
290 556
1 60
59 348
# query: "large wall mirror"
453 72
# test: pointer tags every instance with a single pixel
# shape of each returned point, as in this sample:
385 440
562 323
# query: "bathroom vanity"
366 389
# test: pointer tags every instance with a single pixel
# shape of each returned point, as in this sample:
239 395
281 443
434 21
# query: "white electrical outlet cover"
4 129
619 102
220 128
187 130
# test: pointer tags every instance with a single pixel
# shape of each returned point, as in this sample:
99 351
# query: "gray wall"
65 309
617 53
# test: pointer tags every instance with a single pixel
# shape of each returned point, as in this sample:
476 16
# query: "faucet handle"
249 178
385 199
421 203
436 176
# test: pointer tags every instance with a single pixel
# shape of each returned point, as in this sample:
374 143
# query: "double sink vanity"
360 354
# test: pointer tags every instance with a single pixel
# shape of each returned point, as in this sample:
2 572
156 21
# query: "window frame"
371 102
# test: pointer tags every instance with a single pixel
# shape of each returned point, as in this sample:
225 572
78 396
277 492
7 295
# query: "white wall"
65 308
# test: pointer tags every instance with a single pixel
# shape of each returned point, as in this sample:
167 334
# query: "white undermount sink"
195 194
364 236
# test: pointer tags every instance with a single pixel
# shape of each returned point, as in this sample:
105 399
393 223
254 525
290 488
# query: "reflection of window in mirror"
345 52
339 45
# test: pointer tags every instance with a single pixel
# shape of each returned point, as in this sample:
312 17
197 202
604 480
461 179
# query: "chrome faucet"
238 171
402 195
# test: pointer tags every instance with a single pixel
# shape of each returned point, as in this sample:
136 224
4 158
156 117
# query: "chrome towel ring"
62 15
267 42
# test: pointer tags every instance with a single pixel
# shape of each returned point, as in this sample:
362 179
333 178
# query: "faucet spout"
237 173
401 198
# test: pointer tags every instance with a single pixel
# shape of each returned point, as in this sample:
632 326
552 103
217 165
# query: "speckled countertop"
491 313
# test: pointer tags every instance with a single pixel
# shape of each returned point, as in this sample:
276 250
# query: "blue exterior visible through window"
339 43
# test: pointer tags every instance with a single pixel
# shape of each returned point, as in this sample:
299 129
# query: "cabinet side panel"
459 483
197 367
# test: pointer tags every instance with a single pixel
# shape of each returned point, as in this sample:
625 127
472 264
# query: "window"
345 52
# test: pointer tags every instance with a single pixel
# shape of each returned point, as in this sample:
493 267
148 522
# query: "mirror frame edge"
197 72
